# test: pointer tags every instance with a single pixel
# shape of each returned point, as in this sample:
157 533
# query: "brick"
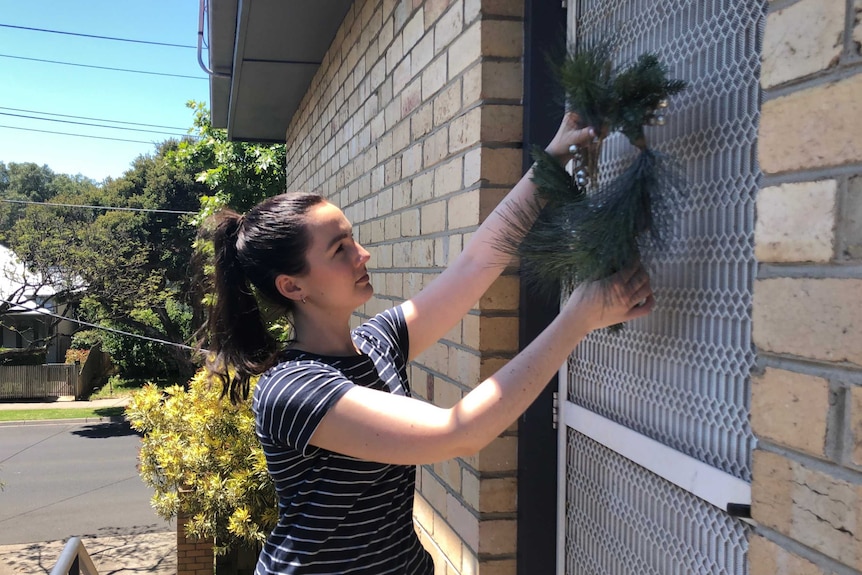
802 39
450 472
447 178
464 210
814 318
855 426
857 28
850 220
392 227
499 495
499 455
411 97
796 222
433 218
503 295
422 54
498 537
808 505
446 393
465 130
470 335
433 491
465 50
448 28
433 78
410 223
502 124
433 10
499 334
436 147
494 566
767 558
463 366
414 30
422 253
422 187
490 366
411 160
790 409
502 38
448 103
812 128
459 525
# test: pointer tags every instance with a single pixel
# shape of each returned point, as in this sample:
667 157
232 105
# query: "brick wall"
194 556
807 396
413 126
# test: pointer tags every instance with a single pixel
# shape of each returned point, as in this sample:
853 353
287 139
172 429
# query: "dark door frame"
544 34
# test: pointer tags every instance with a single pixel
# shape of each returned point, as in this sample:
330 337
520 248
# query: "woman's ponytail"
239 344
249 253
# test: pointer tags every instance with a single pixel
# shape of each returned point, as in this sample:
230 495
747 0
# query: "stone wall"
807 395
413 126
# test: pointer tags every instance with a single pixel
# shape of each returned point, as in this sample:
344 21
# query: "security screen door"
654 420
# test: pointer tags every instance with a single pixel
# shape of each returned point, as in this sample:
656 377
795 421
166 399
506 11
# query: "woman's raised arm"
442 304
379 426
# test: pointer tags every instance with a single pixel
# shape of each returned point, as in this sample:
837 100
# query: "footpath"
152 553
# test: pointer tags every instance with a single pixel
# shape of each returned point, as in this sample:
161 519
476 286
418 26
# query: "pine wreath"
585 229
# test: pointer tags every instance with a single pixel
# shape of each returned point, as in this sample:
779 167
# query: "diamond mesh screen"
613 528
681 375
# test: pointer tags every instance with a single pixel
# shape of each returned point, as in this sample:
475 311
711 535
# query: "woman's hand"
568 134
624 296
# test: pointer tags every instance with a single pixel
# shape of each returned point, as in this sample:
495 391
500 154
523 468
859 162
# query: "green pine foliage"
590 227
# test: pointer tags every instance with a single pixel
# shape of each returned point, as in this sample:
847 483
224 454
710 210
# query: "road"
65 479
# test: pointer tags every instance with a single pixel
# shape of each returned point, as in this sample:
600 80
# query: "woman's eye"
340 248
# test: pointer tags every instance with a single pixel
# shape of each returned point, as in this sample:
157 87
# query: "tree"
129 269
240 174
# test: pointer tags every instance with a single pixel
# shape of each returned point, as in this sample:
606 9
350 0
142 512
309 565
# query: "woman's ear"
287 287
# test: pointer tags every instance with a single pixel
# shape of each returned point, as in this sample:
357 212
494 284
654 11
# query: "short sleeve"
389 330
291 399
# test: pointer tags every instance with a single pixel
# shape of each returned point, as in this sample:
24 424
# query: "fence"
39 381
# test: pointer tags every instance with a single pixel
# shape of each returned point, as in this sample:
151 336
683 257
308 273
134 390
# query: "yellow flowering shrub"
200 452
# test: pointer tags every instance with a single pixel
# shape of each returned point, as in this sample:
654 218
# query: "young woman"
334 413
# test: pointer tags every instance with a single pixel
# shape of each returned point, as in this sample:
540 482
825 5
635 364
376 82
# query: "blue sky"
92 93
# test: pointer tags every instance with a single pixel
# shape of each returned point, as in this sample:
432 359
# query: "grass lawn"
54 413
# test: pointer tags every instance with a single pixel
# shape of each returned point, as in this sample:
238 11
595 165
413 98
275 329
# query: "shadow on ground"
106 430
136 550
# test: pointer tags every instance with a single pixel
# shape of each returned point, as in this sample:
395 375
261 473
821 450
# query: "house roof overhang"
263 55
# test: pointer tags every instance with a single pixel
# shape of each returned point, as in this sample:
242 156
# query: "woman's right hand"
624 296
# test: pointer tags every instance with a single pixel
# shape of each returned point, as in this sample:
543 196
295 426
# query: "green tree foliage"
128 270
239 174
200 455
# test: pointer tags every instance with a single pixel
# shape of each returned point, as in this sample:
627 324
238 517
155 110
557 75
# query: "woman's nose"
364 255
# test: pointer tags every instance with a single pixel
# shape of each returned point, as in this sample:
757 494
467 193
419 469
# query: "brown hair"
250 252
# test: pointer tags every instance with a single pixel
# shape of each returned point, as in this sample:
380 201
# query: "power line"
102 67
106 208
98 37
110 329
89 118
78 135
91 124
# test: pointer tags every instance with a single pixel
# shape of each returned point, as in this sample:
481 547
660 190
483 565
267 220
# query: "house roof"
263 55
20 286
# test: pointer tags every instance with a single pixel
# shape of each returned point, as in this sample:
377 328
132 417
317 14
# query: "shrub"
77 355
197 443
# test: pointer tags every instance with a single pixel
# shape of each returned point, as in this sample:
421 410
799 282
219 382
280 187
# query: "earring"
302 299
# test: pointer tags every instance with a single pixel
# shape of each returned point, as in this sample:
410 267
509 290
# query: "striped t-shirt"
337 514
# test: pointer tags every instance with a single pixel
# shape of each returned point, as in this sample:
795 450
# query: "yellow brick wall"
806 407
413 126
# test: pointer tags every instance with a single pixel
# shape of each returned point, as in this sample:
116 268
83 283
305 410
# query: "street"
64 479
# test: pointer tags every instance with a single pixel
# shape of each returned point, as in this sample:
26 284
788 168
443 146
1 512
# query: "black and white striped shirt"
337 514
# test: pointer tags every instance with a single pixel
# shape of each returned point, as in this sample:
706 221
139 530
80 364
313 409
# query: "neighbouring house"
30 310
740 395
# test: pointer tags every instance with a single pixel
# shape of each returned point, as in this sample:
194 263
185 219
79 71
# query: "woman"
333 410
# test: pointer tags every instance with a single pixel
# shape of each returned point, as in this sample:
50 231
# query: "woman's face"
336 276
